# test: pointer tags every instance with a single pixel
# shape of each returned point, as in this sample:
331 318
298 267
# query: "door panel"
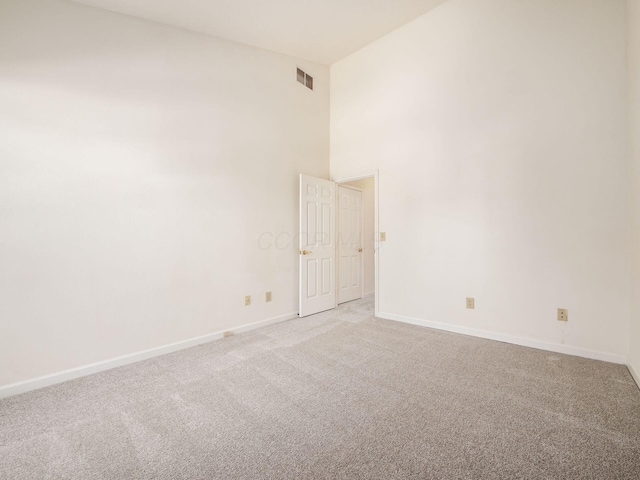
317 245
350 244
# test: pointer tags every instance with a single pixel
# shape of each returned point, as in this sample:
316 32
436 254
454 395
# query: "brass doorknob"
360 249
305 252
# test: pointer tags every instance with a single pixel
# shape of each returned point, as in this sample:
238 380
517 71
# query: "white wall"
633 55
139 166
499 131
368 186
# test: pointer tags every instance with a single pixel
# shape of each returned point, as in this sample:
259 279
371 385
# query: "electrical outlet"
471 303
383 236
247 300
267 297
563 315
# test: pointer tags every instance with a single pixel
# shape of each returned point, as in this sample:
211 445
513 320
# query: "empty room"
320 239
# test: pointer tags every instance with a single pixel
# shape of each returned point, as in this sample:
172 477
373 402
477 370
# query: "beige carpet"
337 395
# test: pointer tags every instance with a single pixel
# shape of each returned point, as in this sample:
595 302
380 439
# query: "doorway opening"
319 242
357 240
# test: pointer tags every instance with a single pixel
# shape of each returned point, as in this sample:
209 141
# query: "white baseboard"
370 294
525 342
63 376
634 373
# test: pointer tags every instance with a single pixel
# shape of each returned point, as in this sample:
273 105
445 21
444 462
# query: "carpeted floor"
337 395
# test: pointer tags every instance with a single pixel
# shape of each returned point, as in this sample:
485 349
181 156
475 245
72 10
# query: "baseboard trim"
501 337
634 373
370 294
63 376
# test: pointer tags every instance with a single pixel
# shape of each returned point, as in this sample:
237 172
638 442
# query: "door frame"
376 257
355 189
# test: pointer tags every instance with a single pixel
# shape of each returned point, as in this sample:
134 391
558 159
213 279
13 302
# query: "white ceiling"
323 31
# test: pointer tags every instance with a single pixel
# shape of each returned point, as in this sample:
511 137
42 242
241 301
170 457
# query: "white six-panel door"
317 245
350 221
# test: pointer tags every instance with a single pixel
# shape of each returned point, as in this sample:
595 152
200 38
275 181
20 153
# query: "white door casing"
317 245
350 244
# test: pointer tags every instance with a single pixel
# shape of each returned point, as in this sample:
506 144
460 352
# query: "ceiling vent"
305 79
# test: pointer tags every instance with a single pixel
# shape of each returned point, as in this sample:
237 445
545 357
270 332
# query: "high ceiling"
323 31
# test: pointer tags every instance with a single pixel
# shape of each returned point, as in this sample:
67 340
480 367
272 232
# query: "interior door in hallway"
317 245
350 226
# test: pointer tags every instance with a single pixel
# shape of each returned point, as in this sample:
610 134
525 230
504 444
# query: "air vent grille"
305 79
